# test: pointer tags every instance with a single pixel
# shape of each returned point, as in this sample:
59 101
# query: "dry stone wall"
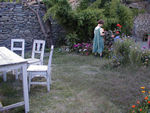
141 25
17 21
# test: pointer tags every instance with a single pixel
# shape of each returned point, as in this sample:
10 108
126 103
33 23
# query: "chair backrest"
20 42
38 48
50 58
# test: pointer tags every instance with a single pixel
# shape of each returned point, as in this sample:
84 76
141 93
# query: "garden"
83 84
119 82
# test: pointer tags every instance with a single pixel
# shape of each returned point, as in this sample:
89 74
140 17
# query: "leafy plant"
108 44
128 52
83 20
71 39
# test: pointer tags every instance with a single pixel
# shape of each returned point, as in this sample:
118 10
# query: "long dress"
98 42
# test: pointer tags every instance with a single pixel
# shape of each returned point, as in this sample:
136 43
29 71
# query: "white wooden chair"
41 71
13 48
19 48
38 48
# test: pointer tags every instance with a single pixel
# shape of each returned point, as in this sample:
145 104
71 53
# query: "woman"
98 42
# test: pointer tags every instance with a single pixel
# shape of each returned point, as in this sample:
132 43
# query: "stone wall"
17 21
141 25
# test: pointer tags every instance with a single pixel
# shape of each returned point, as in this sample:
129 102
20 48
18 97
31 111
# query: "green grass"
80 84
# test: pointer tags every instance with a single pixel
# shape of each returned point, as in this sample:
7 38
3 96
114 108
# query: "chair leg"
16 74
48 83
50 79
29 81
4 76
13 72
21 73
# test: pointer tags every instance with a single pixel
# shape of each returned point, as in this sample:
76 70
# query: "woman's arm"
102 32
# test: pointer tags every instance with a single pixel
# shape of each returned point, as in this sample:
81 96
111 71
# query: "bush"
145 58
71 40
108 44
121 50
83 20
128 52
87 20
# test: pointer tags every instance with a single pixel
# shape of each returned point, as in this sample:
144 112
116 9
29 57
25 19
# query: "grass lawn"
81 84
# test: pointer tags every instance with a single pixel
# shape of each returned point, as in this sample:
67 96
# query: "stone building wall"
141 25
17 21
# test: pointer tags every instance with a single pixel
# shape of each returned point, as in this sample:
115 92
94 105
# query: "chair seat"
37 68
33 60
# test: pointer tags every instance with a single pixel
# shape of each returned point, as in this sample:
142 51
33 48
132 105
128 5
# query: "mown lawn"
81 84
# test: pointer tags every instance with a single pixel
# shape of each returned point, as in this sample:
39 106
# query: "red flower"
133 106
148 102
117 32
140 109
146 98
118 25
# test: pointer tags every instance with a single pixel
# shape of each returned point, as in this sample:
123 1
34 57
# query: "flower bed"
83 48
144 105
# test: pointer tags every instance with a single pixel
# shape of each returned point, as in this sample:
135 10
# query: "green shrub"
135 55
71 39
145 57
83 5
87 20
83 20
125 17
122 50
108 44
128 52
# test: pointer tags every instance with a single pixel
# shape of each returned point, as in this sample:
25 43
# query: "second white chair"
41 71
38 48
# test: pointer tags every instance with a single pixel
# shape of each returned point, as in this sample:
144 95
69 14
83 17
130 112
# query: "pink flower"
75 46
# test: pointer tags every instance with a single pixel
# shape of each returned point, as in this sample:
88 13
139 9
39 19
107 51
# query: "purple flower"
75 45
144 47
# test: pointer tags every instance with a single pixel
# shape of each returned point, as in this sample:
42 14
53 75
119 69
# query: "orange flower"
140 109
148 102
149 92
133 111
146 98
133 106
143 91
138 102
142 87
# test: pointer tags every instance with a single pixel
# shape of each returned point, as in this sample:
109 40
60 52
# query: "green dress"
98 42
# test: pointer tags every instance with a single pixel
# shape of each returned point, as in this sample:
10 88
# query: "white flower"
84 49
67 49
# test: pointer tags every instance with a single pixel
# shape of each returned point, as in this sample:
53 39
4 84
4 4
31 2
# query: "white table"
10 61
